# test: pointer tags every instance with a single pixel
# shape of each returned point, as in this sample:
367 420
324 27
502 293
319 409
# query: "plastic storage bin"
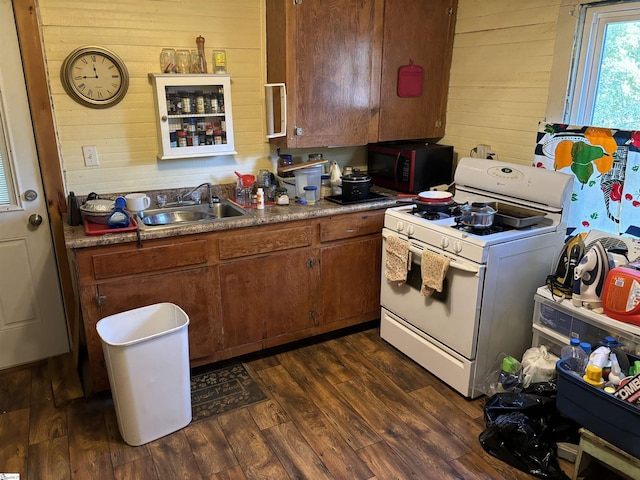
610 418
309 176
560 320
147 355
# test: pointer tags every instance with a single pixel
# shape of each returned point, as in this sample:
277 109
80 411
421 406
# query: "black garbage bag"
523 428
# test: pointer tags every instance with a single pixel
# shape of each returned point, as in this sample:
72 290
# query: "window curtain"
605 164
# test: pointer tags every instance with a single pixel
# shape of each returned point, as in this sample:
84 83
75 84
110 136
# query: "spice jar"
182 138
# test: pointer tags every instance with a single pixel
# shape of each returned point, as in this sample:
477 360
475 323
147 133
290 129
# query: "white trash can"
147 355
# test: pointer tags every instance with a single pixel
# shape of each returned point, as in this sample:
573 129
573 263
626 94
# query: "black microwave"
410 167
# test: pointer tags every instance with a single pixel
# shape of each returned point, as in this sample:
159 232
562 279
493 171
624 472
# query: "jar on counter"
311 194
281 196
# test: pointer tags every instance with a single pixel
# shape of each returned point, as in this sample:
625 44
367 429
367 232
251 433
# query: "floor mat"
222 390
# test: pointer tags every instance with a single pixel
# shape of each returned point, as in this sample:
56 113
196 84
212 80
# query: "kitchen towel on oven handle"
398 259
434 269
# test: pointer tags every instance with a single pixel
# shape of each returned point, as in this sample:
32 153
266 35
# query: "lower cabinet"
266 298
117 278
350 268
244 290
351 282
191 290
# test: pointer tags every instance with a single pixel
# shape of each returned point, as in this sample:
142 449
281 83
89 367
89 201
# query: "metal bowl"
97 211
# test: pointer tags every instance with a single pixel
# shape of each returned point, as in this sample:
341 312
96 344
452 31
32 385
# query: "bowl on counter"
97 210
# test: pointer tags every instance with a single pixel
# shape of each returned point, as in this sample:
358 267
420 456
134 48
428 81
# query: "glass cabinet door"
194 115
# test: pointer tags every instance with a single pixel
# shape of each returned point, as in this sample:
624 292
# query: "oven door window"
451 317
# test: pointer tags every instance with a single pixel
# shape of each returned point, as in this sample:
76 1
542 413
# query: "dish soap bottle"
119 217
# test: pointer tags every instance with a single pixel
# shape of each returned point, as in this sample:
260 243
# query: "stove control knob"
457 247
444 243
400 226
410 230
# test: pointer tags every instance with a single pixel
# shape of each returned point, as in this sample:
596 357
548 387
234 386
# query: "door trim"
37 82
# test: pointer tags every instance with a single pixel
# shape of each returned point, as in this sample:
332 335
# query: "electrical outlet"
90 155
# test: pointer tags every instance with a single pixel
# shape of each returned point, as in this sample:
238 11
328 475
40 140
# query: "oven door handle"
457 264
452 263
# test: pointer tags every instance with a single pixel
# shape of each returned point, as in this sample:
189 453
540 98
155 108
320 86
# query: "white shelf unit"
216 113
557 320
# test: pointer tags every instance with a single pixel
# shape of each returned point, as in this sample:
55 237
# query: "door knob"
35 219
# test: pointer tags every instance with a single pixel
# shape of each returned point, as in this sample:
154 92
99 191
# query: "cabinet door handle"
101 300
269 94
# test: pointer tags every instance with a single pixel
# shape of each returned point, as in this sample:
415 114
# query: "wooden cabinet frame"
244 289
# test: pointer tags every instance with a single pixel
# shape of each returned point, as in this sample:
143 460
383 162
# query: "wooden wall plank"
125 135
502 59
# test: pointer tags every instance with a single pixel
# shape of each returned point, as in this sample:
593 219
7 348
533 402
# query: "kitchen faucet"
212 199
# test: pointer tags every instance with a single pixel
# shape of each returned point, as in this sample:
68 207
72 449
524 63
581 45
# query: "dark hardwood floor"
350 407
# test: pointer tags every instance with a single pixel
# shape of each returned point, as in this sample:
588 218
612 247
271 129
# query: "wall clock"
94 77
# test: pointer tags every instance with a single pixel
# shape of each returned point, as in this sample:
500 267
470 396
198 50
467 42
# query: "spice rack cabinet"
194 115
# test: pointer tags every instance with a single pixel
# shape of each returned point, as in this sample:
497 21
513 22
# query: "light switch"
90 155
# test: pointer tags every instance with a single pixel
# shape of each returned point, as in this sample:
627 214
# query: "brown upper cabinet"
340 60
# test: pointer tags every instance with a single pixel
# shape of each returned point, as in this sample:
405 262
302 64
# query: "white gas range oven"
486 305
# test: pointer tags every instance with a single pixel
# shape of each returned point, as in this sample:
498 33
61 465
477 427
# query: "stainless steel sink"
189 214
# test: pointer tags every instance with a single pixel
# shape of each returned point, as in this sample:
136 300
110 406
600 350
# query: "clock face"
95 77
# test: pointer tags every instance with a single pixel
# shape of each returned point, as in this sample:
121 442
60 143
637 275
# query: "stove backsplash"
606 166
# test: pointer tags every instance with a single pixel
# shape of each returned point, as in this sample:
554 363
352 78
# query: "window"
605 90
5 190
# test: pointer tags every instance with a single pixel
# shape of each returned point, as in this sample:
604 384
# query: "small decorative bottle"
119 218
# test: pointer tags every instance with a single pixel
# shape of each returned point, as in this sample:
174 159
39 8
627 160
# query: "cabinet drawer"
348 226
264 241
134 261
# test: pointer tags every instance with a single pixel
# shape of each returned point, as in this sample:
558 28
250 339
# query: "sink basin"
185 214
177 216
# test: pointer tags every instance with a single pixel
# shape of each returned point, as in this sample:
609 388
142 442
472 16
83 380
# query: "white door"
32 321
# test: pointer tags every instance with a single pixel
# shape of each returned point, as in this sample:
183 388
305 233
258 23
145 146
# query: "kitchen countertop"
75 237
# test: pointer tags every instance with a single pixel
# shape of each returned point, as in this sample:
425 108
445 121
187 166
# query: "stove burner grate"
435 211
495 228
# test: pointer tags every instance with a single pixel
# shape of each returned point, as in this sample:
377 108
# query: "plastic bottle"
586 346
509 379
119 218
576 358
260 197
335 179
616 347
